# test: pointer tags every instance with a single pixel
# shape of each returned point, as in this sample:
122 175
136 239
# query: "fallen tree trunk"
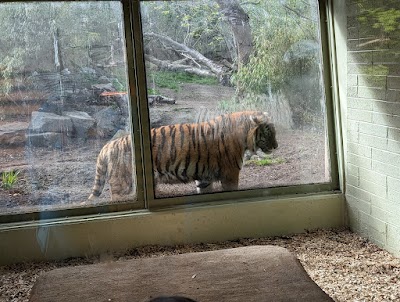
173 66
160 99
189 52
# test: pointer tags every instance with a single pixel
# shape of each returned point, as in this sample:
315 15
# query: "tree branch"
298 13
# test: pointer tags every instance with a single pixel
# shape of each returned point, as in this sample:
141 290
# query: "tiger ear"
260 118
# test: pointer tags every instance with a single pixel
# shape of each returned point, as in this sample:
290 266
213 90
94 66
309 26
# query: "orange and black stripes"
204 152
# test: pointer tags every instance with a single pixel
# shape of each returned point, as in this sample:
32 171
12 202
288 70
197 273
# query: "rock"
108 121
88 70
261 154
82 122
53 105
13 133
104 80
247 155
99 88
42 122
47 139
65 71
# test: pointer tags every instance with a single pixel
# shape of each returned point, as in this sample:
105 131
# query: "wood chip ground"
345 265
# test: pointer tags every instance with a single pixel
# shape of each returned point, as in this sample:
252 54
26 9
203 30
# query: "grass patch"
173 80
265 161
9 179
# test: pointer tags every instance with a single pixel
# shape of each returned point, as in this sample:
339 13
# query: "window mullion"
146 185
326 35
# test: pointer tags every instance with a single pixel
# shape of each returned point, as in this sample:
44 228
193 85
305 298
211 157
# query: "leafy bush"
249 102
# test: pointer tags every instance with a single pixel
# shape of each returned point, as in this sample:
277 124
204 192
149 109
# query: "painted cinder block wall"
372 121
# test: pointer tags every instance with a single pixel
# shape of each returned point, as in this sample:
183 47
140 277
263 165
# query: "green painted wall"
77 237
369 77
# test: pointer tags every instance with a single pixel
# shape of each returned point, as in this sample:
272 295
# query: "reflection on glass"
63 96
209 58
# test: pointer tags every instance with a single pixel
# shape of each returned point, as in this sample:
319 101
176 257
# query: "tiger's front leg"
204 186
230 182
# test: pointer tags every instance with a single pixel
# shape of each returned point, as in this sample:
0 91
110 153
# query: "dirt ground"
62 178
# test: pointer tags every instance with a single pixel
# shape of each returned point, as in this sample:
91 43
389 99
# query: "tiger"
204 152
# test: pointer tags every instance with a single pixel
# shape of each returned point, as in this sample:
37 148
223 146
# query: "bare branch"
191 59
298 13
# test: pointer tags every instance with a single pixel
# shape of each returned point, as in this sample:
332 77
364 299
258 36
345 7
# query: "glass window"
63 99
212 69
226 96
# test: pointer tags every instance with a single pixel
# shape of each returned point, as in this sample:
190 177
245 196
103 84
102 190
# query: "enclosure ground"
52 179
344 265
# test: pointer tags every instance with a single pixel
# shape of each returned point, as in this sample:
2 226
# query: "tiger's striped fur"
203 152
114 162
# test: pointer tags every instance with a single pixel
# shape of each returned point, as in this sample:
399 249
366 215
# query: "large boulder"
82 122
52 140
13 133
52 130
99 88
108 121
42 122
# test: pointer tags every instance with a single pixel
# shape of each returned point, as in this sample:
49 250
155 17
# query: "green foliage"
385 17
173 80
87 33
270 65
9 179
266 66
267 161
118 85
152 91
388 20
197 24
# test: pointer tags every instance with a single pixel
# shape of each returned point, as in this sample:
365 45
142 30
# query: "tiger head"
266 138
264 134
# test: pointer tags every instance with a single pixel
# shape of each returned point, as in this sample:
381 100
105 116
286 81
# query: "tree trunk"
240 25
58 59
239 22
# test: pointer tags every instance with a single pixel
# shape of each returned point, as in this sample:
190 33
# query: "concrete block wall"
372 122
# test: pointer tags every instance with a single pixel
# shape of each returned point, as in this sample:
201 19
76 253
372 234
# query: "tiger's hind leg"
203 186
121 188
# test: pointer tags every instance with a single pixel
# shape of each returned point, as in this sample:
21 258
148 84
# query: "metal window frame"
141 134
273 192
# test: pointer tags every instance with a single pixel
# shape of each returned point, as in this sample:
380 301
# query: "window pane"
63 96
209 58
